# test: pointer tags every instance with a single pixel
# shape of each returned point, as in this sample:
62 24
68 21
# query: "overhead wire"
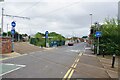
58 9
35 4
69 5
50 12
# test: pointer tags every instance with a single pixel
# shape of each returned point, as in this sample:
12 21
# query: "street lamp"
91 26
91 19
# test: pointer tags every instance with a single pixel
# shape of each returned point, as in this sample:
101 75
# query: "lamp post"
91 26
91 19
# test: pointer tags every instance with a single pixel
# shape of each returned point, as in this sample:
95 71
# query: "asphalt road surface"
53 63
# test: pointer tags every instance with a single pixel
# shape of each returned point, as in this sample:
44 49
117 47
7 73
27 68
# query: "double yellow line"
70 72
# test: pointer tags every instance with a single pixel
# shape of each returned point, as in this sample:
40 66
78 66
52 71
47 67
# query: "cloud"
67 17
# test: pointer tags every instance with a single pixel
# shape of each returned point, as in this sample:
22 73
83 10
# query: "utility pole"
12 25
2 22
7 30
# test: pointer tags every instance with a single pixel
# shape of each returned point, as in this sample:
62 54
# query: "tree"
109 39
4 34
56 36
38 35
53 36
85 37
9 33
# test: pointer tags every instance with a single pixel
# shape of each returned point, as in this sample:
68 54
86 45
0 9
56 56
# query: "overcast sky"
67 17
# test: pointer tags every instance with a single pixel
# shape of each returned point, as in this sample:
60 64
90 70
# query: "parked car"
70 44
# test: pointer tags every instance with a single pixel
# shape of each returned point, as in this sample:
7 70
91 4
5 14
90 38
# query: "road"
53 63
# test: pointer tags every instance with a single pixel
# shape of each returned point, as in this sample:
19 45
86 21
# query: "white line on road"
19 66
12 57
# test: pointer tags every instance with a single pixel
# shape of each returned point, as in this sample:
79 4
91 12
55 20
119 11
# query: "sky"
66 17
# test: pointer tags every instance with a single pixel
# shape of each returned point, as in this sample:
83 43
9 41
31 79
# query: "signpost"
46 39
13 31
98 34
46 34
13 24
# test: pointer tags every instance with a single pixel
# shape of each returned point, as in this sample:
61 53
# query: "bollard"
94 48
113 61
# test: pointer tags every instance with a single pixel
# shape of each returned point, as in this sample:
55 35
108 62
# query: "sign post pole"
46 39
12 42
13 24
98 35
98 47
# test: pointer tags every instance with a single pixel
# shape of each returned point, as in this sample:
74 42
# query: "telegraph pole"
2 22
7 30
13 25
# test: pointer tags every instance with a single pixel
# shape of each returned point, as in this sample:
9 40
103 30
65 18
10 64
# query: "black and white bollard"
113 61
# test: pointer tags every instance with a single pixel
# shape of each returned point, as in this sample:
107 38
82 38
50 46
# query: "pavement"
97 67
9 55
107 63
25 47
64 62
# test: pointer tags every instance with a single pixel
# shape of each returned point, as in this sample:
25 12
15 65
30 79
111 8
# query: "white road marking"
12 57
87 48
19 66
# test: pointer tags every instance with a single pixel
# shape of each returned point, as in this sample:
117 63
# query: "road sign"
13 31
98 34
46 34
13 24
